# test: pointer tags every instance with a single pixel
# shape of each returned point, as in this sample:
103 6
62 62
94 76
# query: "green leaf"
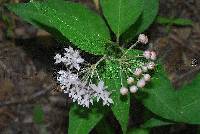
138 131
77 23
164 20
82 121
38 114
121 14
103 127
112 77
173 21
182 22
178 105
155 122
145 20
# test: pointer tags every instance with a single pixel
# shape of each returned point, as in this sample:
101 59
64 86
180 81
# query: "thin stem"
121 76
97 75
103 58
130 48
130 70
92 70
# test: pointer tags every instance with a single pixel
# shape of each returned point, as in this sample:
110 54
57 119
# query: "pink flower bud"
130 80
141 83
138 71
133 89
124 91
143 39
147 77
147 54
153 55
151 65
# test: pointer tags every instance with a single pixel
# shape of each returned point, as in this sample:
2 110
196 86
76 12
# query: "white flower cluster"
71 58
141 76
82 92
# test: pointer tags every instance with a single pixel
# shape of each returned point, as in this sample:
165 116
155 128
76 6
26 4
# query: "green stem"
129 49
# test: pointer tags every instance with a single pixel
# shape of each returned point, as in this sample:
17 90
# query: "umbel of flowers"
79 78
140 75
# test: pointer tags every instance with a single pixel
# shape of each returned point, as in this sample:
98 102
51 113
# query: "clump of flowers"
76 82
140 76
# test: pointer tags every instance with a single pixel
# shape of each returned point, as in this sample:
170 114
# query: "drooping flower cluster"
82 92
140 75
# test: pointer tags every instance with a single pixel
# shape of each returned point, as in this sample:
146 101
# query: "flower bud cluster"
140 75
139 80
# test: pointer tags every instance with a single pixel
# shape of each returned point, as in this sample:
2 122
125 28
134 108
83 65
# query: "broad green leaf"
150 11
82 27
121 14
83 121
155 122
178 105
112 77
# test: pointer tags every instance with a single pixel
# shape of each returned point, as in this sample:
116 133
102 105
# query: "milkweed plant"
121 72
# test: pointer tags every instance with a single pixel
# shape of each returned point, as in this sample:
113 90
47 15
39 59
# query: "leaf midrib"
119 19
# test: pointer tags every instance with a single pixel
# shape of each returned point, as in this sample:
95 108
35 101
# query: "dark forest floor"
27 71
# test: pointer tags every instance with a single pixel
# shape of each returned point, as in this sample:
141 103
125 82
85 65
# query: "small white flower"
130 80
71 58
138 71
153 55
144 68
141 83
101 93
143 39
66 79
124 91
58 58
133 89
151 65
147 77
147 54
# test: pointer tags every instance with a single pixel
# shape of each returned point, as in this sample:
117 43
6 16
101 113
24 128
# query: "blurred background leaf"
38 114
155 122
138 131
104 127
173 21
